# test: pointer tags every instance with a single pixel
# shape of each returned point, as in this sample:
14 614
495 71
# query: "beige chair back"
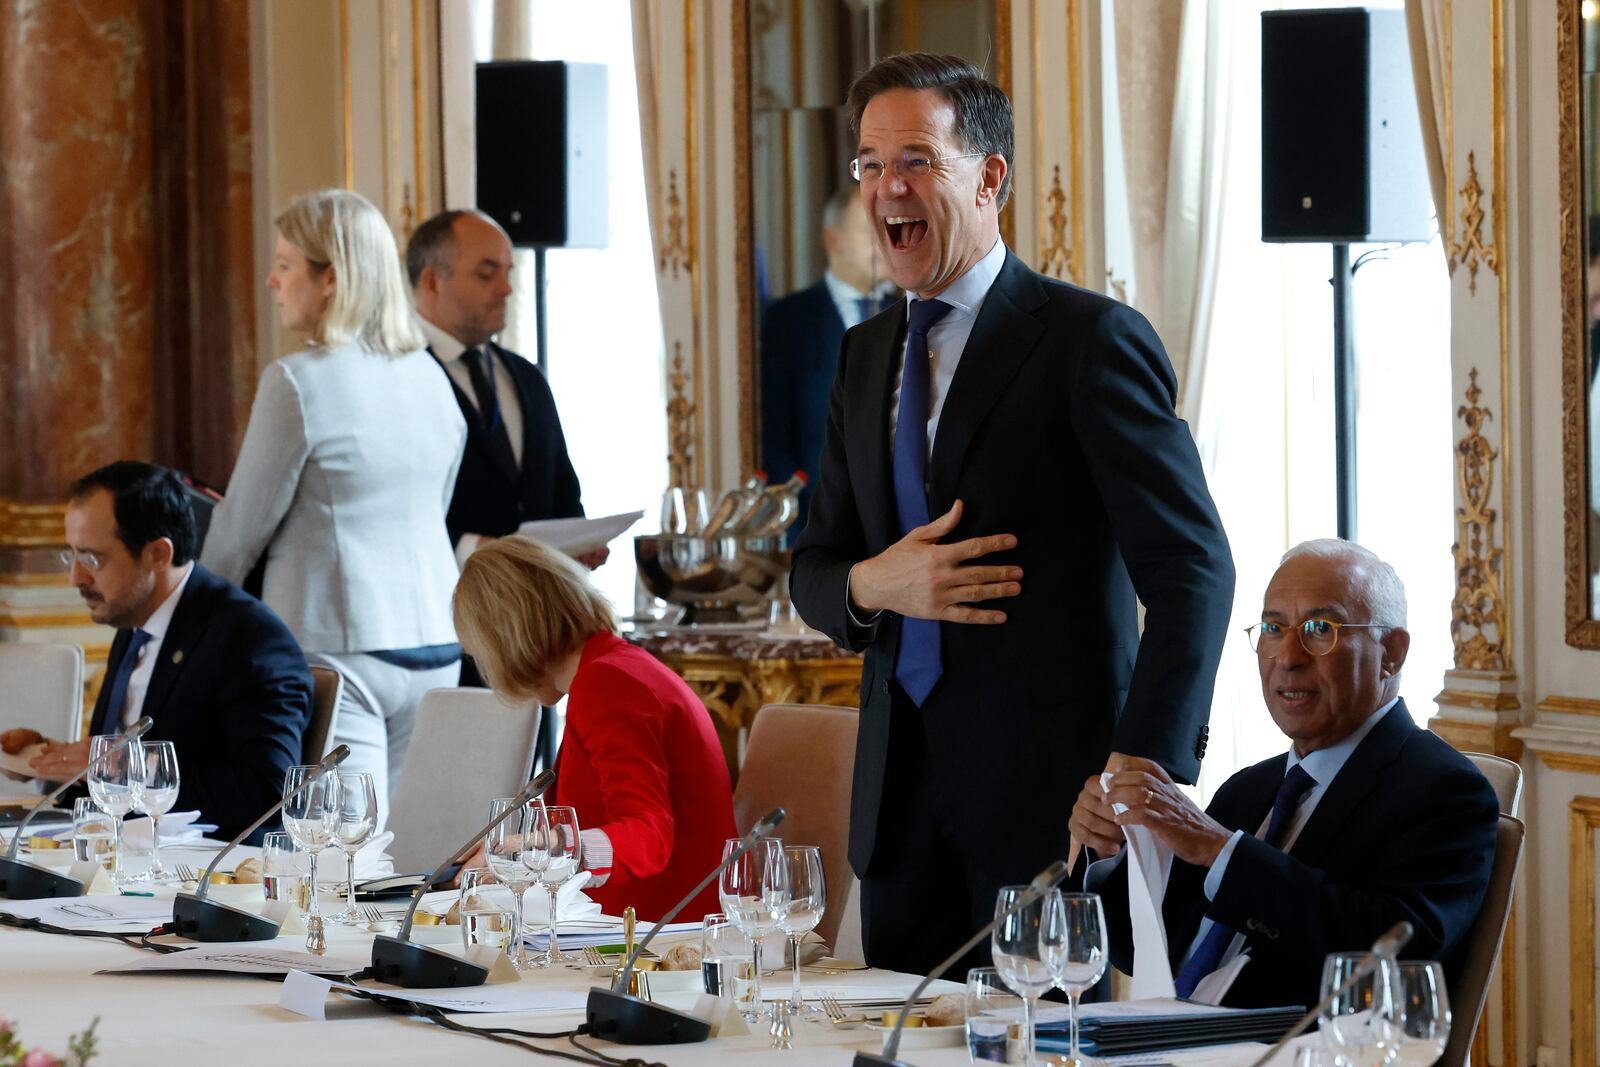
1505 776
327 688
1471 988
41 688
467 747
801 757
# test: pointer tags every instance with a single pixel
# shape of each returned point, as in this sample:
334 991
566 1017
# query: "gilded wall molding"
1583 816
1470 250
1570 705
681 412
1478 618
674 249
1057 258
1572 762
1051 204
31 525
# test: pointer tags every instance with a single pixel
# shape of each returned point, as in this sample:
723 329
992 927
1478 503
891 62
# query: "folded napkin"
371 861
572 905
177 827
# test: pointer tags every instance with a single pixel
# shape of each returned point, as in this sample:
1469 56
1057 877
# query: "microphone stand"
616 1016
1042 883
195 917
21 880
399 962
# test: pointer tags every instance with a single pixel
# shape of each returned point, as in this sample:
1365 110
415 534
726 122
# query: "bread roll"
947 1010
248 872
681 958
14 741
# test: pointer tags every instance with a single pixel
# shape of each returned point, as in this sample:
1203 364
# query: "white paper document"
577 536
94 914
306 994
245 958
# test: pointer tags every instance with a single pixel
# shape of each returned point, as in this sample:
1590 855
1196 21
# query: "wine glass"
1027 926
311 817
684 511
1421 1014
503 849
552 854
1357 1018
111 778
358 817
1074 936
754 889
155 791
808 899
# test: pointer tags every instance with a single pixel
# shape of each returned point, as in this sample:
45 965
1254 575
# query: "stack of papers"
94 914
580 935
1156 1025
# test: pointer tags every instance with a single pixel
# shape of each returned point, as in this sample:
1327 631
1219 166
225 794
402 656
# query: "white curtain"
646 24
1428 28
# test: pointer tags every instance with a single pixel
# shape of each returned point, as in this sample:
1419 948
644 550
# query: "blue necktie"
119 682
866 307
1215 943
916 664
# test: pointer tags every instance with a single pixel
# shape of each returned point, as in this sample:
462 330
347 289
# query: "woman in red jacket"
639 760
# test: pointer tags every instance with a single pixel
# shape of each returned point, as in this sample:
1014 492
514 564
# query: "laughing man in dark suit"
1366 821
219 673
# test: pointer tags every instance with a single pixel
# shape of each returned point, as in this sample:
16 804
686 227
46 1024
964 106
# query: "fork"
593 956
186 873
370 913
840 1019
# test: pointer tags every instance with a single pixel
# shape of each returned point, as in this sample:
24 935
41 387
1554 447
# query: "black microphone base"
630 1021
867 1059
200 919
24 881
415 966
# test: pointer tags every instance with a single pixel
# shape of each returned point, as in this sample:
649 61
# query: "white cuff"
1219 867
595 855
469 543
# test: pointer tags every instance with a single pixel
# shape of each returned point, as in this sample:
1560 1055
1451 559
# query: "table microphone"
397 961
1042 883
193 916
1386 947
21 880
615 1015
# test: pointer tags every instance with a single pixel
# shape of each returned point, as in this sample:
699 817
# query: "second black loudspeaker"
1341 142
542 170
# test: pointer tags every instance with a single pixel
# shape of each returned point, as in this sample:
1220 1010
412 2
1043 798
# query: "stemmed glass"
503 848
311 818
155 791
1024 943
1074 936
358 817
1358 1018
754 889
111 778
1421 1014
552 854
808 899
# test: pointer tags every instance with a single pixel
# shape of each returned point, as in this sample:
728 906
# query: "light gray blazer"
347 469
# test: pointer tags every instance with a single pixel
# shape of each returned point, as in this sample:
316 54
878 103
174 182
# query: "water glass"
488 913
111 778
311 816
358 817
505 851
285 870
1358 1017
808 899
1074 938
552 855
1027 928
94 833
754 889
1421 1017
155 791
989 1004
723 956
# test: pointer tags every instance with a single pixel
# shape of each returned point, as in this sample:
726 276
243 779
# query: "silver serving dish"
710 577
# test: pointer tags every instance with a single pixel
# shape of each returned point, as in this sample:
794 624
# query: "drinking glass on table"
94 836
358 817
488 914
1358 1019
808 899
754 890
504 849
1023 943
155 791
111 777
724 954
1421 1014
311 817
1074 937
285 870
988 1004
552 855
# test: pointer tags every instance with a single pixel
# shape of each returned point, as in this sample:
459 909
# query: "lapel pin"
177 657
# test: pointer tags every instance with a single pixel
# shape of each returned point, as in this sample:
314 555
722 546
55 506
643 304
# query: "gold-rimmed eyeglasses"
92 561
1317 636
909 165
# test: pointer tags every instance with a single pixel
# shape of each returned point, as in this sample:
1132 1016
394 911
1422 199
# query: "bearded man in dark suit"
1004 481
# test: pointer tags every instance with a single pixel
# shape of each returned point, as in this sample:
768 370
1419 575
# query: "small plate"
916 1037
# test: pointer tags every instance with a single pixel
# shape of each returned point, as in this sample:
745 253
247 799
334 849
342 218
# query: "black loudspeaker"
541 131
1341 142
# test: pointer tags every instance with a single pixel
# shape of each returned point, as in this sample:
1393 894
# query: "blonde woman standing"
344 477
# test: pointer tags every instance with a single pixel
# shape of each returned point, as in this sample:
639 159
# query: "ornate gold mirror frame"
1583 629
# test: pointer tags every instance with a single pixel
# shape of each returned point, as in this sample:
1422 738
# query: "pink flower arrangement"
80 1049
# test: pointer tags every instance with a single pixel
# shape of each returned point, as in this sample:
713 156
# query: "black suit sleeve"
564 495
1148 475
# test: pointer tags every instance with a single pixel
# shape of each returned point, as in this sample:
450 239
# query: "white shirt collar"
1325 763
966 294
841 290
161 618
443 343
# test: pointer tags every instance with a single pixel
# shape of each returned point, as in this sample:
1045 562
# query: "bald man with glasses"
1365 821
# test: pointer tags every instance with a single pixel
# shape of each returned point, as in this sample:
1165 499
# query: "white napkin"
1149 863
571 903
176 829
371 860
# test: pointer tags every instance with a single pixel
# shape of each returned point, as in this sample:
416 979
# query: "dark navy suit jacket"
800 336
1405 831
232 691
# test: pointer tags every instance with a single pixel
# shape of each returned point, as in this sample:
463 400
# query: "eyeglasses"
92 561
1317 636
909 165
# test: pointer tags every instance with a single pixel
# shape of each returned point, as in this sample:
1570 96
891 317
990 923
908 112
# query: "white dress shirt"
847 298
156 626
450 351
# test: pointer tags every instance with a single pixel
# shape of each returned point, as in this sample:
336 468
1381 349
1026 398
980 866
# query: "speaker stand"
1344 381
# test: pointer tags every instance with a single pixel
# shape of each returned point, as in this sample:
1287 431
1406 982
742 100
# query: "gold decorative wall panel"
1583 817
1471 250
1477 614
